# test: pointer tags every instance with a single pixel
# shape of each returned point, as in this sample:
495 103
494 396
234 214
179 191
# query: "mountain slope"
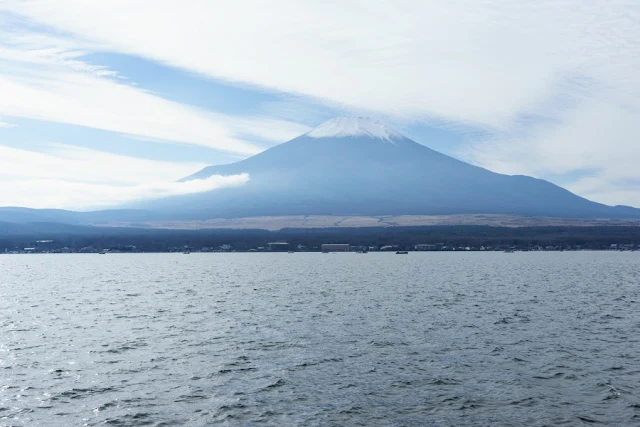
18 215
360 167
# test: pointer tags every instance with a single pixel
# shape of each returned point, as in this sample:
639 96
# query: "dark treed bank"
50 238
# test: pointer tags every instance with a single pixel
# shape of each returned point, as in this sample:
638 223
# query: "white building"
278 246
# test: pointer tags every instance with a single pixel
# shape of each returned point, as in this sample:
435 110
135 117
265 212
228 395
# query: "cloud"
546 79
6 125
52 193
41 79
597 136
72 163
79 178
476 62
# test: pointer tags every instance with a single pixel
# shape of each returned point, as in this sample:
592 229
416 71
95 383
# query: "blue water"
425 339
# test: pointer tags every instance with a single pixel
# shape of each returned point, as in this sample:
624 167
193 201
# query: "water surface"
425 339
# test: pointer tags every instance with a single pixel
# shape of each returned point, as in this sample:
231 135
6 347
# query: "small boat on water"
102 252
402 253
186 252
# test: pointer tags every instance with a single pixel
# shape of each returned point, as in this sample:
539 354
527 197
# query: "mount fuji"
356 166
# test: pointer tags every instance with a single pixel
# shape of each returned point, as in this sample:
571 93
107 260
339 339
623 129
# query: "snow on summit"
353 126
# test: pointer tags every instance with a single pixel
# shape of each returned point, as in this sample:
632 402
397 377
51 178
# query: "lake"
310 339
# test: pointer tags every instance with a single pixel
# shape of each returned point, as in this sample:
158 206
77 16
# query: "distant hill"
17 215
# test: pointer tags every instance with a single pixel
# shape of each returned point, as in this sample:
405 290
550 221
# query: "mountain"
355 166
346 167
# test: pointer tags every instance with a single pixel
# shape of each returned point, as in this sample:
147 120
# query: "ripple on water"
469 339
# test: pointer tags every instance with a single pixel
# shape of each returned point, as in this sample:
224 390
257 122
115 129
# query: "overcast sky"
106 101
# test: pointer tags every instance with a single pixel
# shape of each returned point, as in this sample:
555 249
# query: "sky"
104 102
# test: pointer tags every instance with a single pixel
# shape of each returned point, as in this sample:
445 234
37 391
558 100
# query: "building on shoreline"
336 247
278 246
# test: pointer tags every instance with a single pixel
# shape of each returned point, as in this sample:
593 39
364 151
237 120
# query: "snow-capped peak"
353 126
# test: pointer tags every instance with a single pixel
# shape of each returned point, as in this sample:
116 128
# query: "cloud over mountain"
78 178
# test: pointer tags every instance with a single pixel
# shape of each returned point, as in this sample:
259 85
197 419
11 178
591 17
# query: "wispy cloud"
52 193
479 62
42 78
72 163
568 69
79 178
6 125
